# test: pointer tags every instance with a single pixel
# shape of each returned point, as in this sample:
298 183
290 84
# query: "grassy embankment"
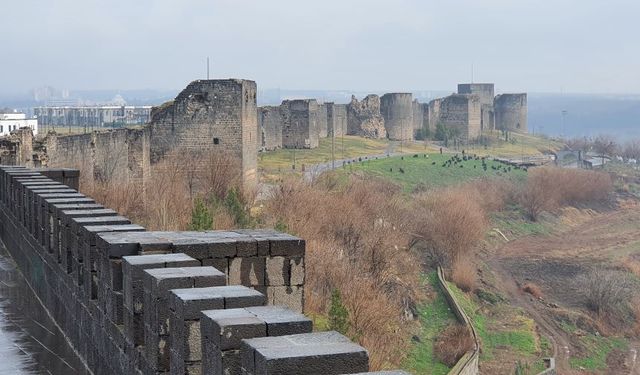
435 316
279 163
419 172
509 330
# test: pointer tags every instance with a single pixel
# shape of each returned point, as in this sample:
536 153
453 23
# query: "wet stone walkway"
29 341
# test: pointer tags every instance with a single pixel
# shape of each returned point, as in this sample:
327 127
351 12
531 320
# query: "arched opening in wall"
216 141
518 126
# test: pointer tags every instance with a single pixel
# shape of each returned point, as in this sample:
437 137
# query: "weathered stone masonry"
137 302
210 116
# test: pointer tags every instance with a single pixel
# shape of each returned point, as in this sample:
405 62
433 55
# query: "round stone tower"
511 112
397 111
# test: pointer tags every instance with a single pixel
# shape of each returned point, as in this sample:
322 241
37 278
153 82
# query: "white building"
14 121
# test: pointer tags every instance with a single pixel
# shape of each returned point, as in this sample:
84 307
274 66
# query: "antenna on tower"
471 72
207 67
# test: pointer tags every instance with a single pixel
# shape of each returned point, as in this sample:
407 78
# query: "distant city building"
95 116
14 121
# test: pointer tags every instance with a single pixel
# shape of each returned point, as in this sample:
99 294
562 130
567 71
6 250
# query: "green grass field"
429 171
276 164
518 145
595 349
434 318
506 328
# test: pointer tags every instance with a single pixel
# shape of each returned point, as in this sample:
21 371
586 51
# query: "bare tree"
579 144
631 149
607 293
604 145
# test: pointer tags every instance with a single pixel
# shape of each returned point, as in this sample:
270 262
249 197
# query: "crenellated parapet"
132 301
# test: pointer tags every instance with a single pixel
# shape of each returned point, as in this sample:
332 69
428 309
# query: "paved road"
29 342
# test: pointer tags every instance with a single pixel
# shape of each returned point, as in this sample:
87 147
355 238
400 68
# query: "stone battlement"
132 301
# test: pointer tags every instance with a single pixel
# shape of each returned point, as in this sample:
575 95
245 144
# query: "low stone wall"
468 364
550 363
136 302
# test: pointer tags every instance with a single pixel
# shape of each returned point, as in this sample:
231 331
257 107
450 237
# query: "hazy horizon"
570 46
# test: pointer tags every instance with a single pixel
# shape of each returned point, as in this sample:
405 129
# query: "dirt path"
559 340
599 237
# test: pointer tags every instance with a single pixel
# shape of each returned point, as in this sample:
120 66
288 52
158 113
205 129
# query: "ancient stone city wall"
511 112
397 112
300 123
121 154
461 112
336 119
269 128
218 116
132 301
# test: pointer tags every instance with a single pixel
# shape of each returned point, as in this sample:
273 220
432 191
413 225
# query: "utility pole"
295 146
333 147
563 114
207 67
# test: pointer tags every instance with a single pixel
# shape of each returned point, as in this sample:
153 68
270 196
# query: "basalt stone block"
89 267
204 245
277 271
286 245
290 296
320 353
133 287
189 303
157 283
186 306
247 271
297 271
282 321
221 264
50 217
222 332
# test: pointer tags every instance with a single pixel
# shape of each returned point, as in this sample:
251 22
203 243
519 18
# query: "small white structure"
14 121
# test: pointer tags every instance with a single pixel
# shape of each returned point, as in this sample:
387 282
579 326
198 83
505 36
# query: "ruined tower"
300 123
210 116
485 91
336 119
511 112
269 128
462 114
364 118
397 111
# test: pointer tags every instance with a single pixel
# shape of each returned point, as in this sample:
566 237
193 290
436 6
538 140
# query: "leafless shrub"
463 274
452 344
607 293
549 188
166 200
449 223
358 239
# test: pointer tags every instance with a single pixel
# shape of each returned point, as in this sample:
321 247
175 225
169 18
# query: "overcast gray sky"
521 45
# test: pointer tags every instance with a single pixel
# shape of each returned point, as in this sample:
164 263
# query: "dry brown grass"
463 274
632 266
452 344
358 240
635 307
450 223
549 188
532 289
166 200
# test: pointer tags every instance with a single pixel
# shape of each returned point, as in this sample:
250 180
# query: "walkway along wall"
137 302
